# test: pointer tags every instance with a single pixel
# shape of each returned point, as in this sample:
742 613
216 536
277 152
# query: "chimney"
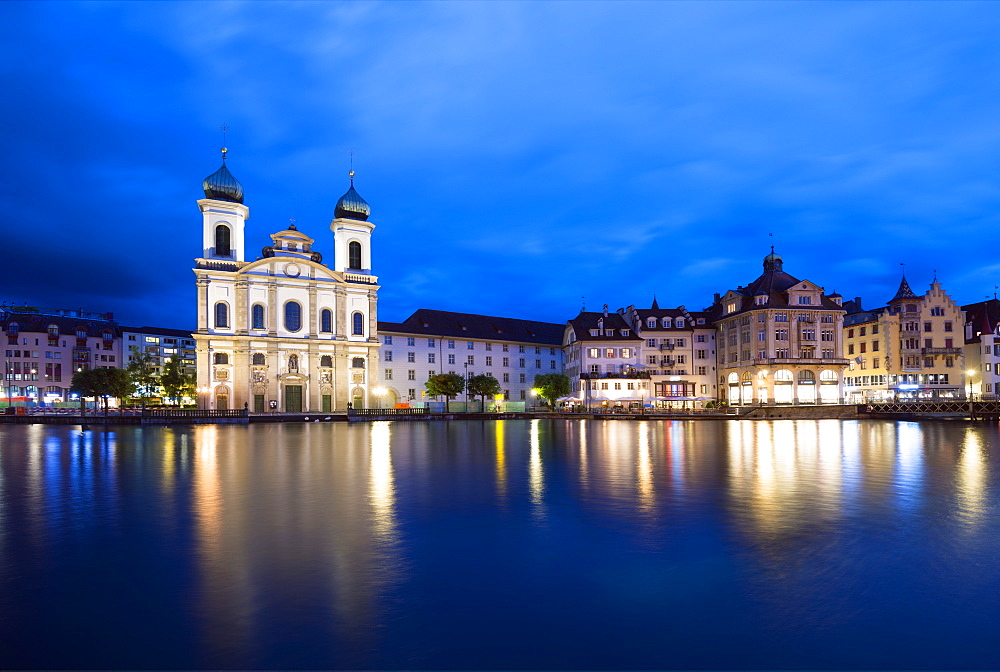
605 310
716 299
857 303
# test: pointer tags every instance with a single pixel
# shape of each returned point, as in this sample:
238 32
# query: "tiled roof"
468 326
983 316
584 322
39 324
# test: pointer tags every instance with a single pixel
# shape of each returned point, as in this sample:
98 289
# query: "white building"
603 361
283 331
436 341
982 348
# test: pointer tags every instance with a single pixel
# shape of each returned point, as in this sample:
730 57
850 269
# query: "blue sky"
517 156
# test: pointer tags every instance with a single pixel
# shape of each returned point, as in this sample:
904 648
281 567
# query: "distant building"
45 346
603 354
912 348
429 342
163 345
779 340
283 331
982 347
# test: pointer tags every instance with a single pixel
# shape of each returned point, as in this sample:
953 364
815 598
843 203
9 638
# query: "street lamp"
534 397
968 374
203 396
379 393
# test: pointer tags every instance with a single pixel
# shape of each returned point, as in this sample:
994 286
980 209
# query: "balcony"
832 361
666 346
631 375
941 351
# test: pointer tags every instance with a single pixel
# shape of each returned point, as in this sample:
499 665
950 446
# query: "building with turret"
982 348
911 348
779 340
284 331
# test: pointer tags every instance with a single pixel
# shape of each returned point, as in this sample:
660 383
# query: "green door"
258 403
293 398
327 403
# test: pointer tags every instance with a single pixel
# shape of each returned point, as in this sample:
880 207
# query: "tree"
551 386
483 386
449 385
142 370
174 381
102 383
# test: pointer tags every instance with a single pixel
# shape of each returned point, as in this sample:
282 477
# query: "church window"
326 320
258 359
358 324
354 255
358 363
221 315
293 316
257 317
220 358
326 361
222 241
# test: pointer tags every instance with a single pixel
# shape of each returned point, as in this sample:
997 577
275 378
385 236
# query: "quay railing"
382 412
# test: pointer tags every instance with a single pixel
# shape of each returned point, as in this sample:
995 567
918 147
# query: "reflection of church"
284 331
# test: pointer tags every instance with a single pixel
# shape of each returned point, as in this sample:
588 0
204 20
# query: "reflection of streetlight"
379 393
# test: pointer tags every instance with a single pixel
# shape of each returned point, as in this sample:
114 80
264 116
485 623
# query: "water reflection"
393 544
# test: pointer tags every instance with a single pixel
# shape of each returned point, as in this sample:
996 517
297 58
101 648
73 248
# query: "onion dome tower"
223 215
352 233
221 185
351 205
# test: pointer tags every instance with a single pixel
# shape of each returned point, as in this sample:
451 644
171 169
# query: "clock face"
292 270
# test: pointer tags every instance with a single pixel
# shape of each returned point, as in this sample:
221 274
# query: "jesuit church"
284 331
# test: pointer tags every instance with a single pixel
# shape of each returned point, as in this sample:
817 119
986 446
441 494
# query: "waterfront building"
283 331
603 361
45 346
982 348
678 353
911 348
779 340
429 342
162 345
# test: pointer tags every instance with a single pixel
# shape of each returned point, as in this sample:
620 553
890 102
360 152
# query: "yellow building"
910 349
778 341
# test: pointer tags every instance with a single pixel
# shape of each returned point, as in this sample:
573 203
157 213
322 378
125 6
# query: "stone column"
202 283
313 403
340 313
274 369
240 318
272 307
372 316
341 378
241 374
313 312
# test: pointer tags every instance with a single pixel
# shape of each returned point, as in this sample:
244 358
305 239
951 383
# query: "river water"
538 544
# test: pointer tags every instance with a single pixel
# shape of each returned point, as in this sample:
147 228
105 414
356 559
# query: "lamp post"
203 397
379 395
534 398
968 374
642 406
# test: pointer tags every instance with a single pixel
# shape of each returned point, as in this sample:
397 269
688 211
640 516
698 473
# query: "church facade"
284 331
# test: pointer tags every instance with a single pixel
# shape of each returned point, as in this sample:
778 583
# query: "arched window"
258 359
257 316
828 375
354 255
807 376
359 324
746 378
221 315
222 244
734 378
293 316
293 363
326 320
783 376
220 358
326 360
358 363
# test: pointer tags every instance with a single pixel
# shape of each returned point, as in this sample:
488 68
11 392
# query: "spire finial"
350 153
225 129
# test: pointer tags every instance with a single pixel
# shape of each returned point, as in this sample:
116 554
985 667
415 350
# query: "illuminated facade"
436 341
779 341
603 361
982 348
912 348
284 331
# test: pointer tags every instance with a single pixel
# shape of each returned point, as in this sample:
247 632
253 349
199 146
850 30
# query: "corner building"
284 332
779 341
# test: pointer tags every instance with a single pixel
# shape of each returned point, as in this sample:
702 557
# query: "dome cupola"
772 262
351 205
221 185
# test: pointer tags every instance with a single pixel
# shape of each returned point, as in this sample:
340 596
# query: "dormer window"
595 332
679 322
805 300
625 332
651 323
731 307
761 299
665 322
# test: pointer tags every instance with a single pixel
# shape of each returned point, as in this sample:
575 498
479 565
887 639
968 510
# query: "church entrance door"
293 398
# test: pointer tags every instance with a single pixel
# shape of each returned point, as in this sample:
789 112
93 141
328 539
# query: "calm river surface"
512 544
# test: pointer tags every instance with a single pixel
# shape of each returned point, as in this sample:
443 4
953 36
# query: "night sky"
517 156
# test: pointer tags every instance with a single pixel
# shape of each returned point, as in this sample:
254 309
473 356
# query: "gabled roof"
469 326
584 322
983 316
